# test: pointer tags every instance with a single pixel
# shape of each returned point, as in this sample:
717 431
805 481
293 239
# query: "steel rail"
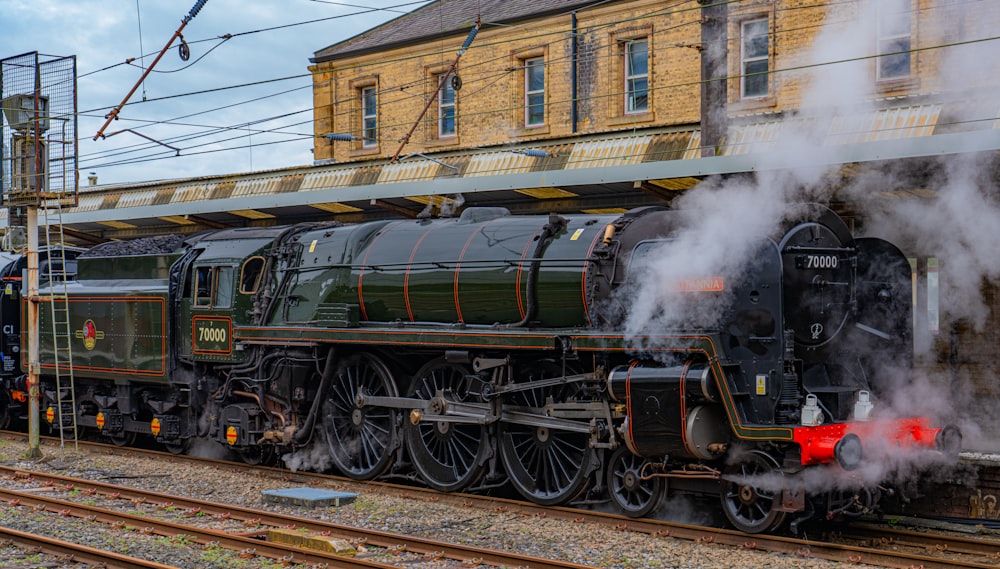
69 552
893 537
793 546
371 537
202 536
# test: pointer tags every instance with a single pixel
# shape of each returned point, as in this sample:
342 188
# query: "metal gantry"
38 171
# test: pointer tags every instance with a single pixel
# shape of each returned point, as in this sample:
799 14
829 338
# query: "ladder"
57 273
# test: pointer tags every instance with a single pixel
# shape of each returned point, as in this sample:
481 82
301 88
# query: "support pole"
714 54
31 292
113 114
454 66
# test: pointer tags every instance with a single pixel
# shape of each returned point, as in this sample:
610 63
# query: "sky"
236 105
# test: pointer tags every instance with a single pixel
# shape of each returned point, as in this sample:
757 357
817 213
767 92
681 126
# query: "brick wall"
974 493
490 104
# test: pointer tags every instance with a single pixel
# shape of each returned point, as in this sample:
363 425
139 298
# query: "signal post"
38 168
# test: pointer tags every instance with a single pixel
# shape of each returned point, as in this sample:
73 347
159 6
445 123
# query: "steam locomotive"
490 349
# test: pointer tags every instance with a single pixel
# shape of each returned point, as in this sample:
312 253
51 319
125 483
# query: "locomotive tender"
472 351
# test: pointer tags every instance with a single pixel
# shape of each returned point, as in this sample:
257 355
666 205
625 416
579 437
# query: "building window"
534 92
753 55
893 21
369 117
446 107
926 302
636 76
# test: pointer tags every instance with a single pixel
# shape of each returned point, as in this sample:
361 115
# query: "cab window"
224 287
644 256
250 275
213 287
203 286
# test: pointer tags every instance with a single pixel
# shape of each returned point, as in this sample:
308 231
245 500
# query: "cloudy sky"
237 104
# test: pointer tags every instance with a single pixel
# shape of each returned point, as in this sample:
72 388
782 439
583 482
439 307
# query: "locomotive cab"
218 280
228 283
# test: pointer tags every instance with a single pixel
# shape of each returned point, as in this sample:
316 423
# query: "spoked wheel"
449 456
634 496
547 466
362 440
750 507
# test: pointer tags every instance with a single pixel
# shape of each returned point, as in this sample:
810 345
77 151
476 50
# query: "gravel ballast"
549 538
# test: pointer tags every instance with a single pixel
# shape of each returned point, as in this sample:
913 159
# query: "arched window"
250 274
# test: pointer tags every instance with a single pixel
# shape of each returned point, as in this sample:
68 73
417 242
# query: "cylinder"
670 410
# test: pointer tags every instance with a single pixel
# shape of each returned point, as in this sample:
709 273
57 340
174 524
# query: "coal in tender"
143 246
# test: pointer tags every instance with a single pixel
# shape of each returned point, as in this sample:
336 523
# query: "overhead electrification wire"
483 78
212 131
215 90
396 88
203 56
390 9
142 62
174 121
198 5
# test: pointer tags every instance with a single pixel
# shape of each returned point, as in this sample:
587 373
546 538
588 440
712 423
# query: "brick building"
541 71
536 71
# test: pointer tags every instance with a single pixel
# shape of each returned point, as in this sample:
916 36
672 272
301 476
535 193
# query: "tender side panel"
111 337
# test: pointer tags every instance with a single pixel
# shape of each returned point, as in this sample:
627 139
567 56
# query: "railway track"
877 546
148 525
919 542
245 540
67 552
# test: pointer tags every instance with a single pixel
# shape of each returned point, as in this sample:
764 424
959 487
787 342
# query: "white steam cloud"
313 457
720 228
722 221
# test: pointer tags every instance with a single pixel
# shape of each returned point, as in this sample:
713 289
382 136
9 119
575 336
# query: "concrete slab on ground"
308 497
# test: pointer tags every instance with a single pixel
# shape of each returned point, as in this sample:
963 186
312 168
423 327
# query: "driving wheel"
449 456
362 440
749 493
546 465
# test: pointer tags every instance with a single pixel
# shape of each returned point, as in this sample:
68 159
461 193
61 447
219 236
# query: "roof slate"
444 18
